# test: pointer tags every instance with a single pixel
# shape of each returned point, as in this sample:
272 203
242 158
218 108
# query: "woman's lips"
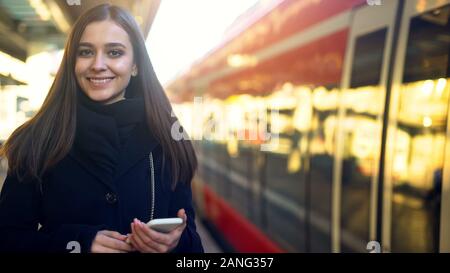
99 82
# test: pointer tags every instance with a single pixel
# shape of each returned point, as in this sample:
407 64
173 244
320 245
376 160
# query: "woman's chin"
104 98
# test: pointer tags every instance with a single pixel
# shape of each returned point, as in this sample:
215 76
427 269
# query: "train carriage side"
358 96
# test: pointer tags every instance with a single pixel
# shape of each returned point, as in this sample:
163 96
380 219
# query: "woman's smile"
100 82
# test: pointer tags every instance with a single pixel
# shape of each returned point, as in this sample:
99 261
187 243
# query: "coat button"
111 198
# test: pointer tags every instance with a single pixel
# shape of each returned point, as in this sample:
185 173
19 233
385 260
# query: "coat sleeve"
190 240
20 215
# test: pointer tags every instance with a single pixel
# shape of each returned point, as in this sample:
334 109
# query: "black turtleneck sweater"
102 131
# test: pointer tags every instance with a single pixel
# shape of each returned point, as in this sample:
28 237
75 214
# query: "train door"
415 213
359 137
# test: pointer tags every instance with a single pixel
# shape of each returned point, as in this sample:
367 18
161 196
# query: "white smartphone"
165 225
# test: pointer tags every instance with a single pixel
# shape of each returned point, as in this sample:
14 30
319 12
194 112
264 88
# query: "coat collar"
138 145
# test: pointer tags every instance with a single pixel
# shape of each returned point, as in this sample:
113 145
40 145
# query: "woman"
98 157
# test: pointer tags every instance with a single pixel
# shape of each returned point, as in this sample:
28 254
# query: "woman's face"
104 62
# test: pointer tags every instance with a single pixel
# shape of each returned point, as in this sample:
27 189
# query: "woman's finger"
155 236
118 236
135 239
115 234
163 242
156 240
139 243
148 236
110 242
182 214
98 248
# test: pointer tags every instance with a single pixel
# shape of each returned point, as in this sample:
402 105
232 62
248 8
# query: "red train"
358 94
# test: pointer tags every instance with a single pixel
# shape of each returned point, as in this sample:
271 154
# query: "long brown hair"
45 139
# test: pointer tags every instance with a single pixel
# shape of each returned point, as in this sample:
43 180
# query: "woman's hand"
146 240
107 241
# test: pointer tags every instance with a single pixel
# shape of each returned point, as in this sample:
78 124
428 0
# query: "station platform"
209 244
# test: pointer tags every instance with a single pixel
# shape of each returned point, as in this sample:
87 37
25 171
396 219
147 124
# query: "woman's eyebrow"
115 45
108 45
86 44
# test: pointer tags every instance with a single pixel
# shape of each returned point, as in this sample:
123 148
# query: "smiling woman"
98 156
105 62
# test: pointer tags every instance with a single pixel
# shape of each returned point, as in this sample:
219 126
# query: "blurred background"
320 125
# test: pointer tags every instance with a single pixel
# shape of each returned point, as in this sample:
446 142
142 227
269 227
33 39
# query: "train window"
284 167
368 58
318 148
427 54
420 139
364 104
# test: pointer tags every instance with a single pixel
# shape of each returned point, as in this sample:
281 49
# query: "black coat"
75 200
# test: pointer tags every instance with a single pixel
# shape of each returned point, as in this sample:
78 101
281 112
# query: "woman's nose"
99 63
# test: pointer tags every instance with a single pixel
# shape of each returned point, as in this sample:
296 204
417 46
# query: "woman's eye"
85 52
115 53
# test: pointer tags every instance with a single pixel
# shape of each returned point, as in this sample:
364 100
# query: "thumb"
182 214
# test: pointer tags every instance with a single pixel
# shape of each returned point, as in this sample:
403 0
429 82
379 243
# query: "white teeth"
100 81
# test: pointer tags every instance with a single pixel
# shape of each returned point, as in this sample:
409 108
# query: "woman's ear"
134 71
